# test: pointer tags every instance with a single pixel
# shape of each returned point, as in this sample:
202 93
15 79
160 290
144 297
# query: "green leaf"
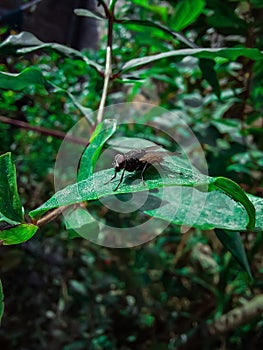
25 42
1 301
11 209
176 35
77 217
232 189
29 76
14 42
34 76
258 204
91 154
229 53
7 222
18 234
257 3
209 74
82 223
186 12
205 211
226 17
96 186
112 4
87 112
78 287
232 241
160 10
87 13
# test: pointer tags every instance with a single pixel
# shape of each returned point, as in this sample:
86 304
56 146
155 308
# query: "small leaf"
160 10
10 204
87 13
14 42
209 74
176 35
229 53
77 218
112 4
186 12
34 76
232 241
7 222
91 154
81 224
18 234
257 3
78 287
1 301
29 76
25 42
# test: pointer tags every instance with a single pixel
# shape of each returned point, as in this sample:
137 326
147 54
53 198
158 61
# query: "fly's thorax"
133 164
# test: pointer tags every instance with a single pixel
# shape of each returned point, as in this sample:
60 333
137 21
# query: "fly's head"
119 162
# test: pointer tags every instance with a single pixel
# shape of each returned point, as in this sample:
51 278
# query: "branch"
105 86
51 216
230 321
105 7
50 132
108 69
237 317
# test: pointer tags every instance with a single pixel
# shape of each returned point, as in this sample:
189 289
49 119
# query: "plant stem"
108 67
107 76
112 4
51 216
105 7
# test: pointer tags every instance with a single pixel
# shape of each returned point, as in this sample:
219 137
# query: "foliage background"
71 294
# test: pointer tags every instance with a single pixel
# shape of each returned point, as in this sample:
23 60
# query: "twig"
237 317
29 4
108 69
105 86
51 216
45 131
232 320
105 7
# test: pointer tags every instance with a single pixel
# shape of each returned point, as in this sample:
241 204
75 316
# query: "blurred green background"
73 295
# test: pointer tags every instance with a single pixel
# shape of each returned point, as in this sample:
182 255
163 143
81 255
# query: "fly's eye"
119 158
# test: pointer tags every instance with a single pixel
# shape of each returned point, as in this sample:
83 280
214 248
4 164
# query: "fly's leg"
122 174
143 170
115 174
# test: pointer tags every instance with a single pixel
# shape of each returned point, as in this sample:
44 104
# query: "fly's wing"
156 157
152 148
152 157
146 154
149 153
164 152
